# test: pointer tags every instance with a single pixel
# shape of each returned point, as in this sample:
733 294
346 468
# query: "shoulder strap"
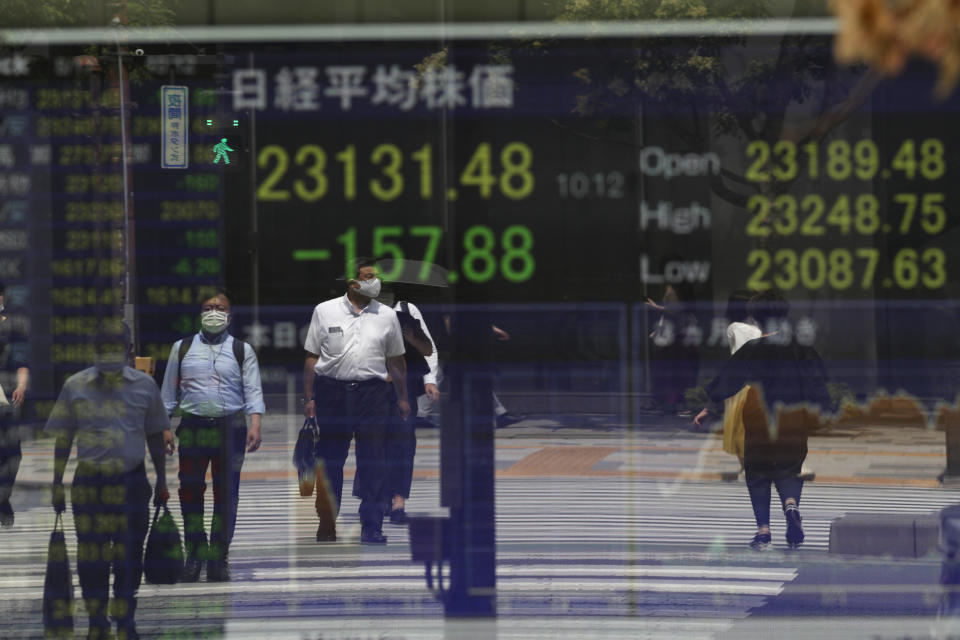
184 347
404 307
239 353
185 344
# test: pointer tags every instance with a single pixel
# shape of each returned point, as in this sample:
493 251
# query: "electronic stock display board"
532 173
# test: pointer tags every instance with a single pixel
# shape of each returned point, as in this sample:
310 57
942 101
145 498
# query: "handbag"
305 455
163 557
58 586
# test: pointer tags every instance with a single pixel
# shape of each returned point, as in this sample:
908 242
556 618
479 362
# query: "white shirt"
432 360
210 380
110 416
740 333
351 345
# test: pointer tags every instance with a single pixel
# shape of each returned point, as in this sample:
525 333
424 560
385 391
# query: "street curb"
885 534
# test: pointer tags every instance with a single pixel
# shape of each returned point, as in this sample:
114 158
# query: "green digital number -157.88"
485 255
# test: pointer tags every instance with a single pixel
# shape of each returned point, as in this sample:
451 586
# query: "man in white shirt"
113 412
352 343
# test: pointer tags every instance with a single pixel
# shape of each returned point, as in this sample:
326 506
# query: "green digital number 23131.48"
312 179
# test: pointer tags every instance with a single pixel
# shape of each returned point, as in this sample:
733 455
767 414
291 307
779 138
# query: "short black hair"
768 305
112 330
737 305
215 292
360 263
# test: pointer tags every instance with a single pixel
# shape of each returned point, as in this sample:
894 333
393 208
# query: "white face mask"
369 288
214 321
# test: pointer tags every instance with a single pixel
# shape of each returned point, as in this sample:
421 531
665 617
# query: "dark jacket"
791 395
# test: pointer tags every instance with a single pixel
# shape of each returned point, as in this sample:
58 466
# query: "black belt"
349 385
192 417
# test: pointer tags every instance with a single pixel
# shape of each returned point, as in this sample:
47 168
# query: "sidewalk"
588 446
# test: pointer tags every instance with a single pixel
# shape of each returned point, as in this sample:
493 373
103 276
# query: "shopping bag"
58 587
163 557
305 457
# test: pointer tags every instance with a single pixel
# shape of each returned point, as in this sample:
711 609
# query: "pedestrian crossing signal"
221 143
222 151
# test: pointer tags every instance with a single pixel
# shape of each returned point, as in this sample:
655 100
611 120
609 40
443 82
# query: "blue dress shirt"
210 383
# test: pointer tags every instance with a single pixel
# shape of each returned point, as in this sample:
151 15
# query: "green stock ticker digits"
388 172
485 255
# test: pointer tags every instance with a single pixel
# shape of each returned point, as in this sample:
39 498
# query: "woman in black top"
788 390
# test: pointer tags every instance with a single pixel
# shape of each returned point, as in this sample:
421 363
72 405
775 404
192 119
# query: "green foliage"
699 75
45 13
37 14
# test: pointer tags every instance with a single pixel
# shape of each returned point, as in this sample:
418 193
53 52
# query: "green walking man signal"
221 149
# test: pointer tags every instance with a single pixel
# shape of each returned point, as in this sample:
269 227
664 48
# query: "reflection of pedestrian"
674 362
401 438
788 388
352 342
13 352
502 416
741 330
214 380
112 411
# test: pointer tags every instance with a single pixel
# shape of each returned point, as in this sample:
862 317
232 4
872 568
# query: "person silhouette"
221 148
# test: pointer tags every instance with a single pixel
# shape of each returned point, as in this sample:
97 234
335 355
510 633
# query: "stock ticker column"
80 119
62 212
855 226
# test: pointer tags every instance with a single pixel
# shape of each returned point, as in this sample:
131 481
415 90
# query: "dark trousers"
10 453
400 447
111 513
218 443
759 488
357 410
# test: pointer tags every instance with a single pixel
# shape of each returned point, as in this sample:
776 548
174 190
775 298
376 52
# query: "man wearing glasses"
352 344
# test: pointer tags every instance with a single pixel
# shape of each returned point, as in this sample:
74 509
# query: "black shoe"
6 515
218 571
191 570
794 530
127 632
398 516
99 629
507 419
327 532
760 542
372 536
